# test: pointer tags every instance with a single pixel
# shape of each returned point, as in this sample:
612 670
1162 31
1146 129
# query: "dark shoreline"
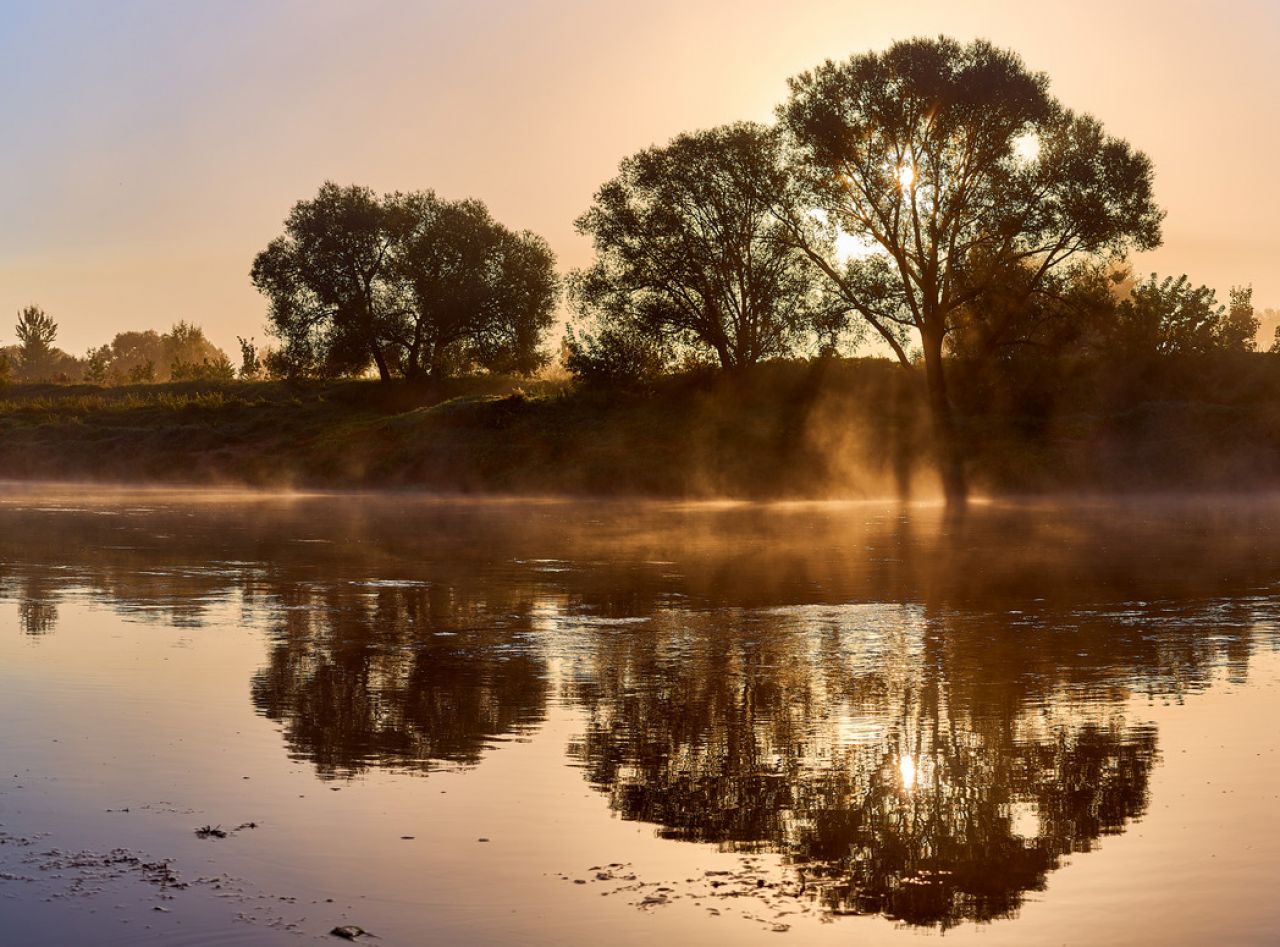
840 429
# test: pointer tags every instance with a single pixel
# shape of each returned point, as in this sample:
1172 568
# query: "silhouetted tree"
192 357
1173 317
36 331
689 250
1238 329
97 364
956 165
408 282
615 357
334 302
480 293
250 362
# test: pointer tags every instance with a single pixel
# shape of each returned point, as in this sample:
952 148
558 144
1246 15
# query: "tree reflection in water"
408 678
923 716
861 744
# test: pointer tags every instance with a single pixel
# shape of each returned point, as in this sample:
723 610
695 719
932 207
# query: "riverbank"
841 428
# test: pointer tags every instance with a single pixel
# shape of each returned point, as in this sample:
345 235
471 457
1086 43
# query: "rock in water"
348 932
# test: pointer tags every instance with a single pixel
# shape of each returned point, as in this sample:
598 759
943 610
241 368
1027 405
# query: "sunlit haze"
152 148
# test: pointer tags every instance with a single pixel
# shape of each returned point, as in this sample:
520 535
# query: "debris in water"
348 932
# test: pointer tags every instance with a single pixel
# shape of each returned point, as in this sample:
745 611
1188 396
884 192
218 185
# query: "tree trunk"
384 374
412 362
950 456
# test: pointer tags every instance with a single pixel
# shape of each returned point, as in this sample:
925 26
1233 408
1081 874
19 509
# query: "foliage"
328 279
1238 330
207 369
957 165
1071 314
408 282
97 364
251 367
1173 317
689 252
482 294
182 353
144 373
614 357
36 332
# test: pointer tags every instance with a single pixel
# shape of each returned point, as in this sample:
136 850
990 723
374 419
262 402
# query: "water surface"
459 721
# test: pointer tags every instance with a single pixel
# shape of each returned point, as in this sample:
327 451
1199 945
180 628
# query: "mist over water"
1033 723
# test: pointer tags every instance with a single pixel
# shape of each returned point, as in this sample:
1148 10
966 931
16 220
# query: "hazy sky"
150 149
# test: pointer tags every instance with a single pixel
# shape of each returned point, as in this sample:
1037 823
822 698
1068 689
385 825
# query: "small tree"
144 373
97 365
1238 330
250 362
614 357
36 331
689 250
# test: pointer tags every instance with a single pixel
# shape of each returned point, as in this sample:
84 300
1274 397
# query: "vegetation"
408 282
690 254
956 164
131 358
784 429
934 196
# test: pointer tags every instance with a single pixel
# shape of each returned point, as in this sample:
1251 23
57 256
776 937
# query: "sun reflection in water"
907 770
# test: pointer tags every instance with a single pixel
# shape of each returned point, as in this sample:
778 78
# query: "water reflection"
905 767
924 716
410 678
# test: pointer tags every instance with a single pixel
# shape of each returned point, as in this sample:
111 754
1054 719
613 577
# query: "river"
231 718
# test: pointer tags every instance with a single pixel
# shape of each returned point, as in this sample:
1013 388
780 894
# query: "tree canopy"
36 331
955 166
690 250
411 283
1174 317
184 353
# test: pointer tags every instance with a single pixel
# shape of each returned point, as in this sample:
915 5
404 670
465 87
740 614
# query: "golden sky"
150 149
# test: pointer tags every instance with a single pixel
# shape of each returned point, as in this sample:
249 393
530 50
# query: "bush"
615 358
218 368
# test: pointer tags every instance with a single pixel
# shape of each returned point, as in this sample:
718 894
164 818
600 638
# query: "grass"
789 429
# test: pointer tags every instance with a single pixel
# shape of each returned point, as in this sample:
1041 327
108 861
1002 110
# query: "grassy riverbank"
842 428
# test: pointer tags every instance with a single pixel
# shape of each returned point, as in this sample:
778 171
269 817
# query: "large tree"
689 250
954 165
480 292
334 301
409 282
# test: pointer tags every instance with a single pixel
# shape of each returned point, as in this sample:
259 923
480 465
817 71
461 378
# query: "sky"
150 148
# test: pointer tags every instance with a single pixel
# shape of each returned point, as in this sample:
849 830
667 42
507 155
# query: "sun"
1027 147
907 176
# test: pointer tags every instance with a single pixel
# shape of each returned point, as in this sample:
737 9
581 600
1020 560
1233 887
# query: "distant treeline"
131 358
